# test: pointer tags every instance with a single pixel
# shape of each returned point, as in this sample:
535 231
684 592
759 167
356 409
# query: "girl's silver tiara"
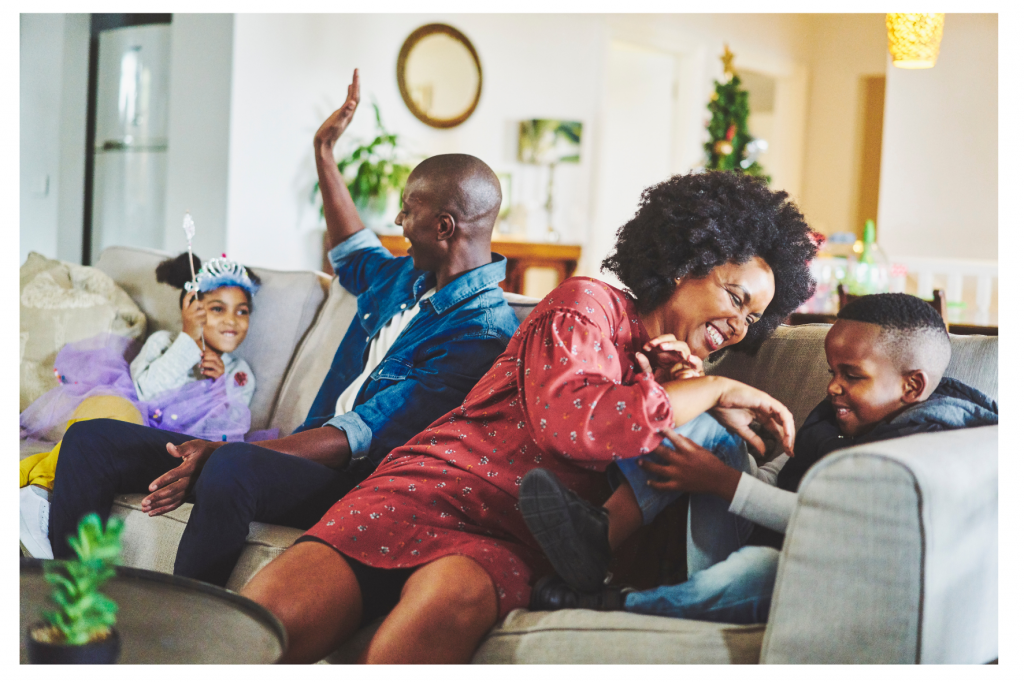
221 272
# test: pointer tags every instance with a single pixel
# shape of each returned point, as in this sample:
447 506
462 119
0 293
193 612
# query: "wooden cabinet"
562 258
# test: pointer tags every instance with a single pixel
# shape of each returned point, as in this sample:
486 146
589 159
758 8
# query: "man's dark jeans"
240 483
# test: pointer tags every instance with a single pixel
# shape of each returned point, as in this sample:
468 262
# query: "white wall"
291 71
54 74
938 194
845 47
198 131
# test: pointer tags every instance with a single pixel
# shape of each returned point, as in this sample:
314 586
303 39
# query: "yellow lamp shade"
914 39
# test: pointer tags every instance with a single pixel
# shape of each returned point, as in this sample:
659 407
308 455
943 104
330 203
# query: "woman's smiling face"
227 318
714 312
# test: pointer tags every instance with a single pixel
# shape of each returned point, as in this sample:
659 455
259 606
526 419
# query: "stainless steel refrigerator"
130 149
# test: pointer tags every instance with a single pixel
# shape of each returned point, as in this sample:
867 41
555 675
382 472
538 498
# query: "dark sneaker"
572 532
551 593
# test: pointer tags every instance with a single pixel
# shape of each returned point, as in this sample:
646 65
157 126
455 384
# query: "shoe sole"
544 507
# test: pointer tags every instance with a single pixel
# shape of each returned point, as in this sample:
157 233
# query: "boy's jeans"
728 583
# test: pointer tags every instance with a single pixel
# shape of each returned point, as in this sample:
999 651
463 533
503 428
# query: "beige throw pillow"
61 303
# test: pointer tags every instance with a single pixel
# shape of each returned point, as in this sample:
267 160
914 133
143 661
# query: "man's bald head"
463 186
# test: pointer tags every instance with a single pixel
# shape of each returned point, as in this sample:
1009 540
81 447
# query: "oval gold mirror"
439 75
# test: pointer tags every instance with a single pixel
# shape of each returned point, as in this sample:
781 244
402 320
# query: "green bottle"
871 274
867 255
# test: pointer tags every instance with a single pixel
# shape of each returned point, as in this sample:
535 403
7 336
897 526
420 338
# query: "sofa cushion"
62 303
283 310
578 636
313 358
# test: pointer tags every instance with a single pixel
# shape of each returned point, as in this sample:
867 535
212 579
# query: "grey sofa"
891 556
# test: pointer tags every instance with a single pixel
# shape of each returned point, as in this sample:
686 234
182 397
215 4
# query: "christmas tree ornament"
727 58
752 151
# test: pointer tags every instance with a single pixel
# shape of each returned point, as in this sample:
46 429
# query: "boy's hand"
211 365
669 358
690 468
740 404
336 123
193 316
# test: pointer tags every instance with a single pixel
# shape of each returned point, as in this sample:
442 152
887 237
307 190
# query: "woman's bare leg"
447 607
312 589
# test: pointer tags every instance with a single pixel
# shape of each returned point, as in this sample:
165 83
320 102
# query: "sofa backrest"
283 310
791 366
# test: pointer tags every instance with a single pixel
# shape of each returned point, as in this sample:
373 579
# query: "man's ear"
445 227
915 383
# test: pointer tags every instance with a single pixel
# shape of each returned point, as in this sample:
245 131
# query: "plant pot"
105 650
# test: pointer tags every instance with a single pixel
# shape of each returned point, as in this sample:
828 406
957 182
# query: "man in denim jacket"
427 329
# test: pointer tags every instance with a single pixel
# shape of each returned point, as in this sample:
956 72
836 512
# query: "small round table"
167 619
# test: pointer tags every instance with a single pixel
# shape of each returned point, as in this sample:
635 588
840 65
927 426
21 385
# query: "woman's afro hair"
690 224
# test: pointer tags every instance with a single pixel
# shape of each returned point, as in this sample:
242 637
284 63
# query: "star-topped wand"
190 231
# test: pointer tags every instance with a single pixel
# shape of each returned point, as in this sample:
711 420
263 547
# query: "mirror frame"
410 42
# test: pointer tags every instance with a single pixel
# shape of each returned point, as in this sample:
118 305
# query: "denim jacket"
447 347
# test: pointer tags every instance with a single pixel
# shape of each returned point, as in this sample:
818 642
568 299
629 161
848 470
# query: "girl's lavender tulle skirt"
97 366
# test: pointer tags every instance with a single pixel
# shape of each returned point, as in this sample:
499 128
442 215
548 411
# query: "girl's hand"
669 358
211 365
193 316
739 404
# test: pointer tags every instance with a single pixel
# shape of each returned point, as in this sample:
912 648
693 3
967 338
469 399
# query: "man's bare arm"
325 445
339 210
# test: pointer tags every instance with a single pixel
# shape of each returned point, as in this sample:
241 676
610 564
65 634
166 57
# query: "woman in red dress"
434 539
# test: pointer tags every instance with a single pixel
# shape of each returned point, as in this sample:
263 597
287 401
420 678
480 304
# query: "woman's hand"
211 365
193 316
168 491
669 358
690 468
739 404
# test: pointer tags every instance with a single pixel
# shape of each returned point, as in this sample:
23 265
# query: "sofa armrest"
891 555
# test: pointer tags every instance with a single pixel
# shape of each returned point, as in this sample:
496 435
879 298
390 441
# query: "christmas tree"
731 145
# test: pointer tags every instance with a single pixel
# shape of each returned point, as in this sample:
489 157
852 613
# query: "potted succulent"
373 174
81 627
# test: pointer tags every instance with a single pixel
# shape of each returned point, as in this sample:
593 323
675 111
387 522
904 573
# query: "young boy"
886 353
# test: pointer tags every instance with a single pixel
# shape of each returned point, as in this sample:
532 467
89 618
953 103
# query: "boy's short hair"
913 333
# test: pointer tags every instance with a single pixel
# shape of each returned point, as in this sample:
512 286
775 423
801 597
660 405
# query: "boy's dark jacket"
953 405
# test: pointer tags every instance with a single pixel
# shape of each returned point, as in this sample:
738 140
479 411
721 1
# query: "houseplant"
81 627
373 173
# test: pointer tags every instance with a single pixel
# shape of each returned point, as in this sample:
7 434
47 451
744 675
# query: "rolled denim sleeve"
361 260
433 388
358 433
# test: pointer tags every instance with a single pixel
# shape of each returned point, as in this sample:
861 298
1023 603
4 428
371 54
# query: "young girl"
187 382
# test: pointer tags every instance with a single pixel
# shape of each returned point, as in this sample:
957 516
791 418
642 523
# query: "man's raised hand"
337 122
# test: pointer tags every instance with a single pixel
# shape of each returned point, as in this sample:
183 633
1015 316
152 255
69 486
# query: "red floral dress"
564 395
